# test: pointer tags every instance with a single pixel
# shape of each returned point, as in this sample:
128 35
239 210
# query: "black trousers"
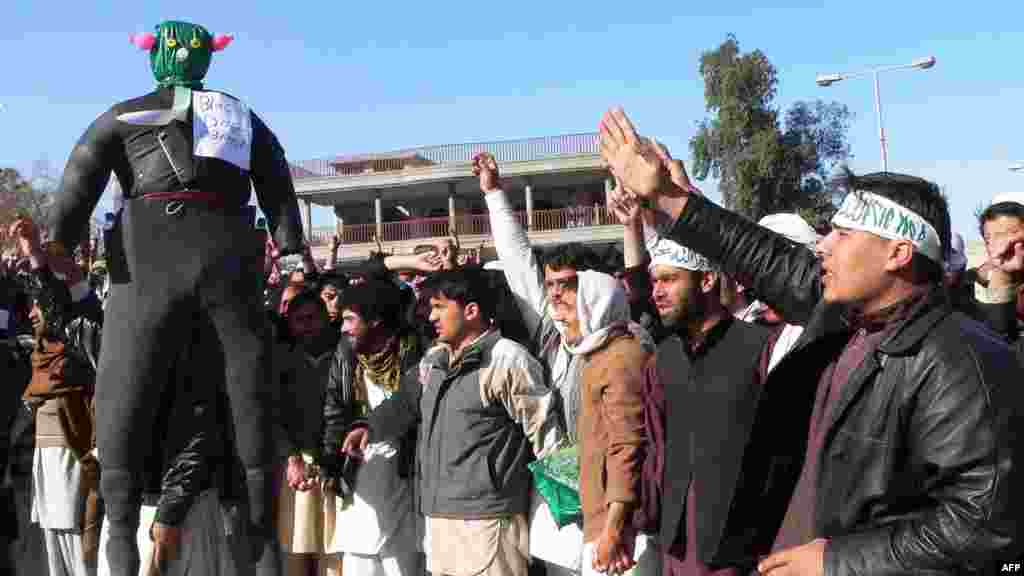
187 263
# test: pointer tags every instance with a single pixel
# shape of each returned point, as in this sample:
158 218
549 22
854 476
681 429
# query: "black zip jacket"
138 161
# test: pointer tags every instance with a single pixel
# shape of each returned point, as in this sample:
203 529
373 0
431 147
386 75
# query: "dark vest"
710 403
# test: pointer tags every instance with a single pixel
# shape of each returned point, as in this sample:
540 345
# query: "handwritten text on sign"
221 128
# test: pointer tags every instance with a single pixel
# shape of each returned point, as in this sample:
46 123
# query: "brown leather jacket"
611 429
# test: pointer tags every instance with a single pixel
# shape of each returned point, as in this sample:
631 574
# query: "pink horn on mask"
143 41
221 42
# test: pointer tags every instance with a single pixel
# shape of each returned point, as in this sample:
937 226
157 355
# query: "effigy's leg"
134 363
247 368
231 292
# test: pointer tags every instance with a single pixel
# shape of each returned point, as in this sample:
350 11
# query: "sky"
349 77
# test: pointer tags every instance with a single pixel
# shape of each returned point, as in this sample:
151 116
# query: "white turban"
1014 197
791 226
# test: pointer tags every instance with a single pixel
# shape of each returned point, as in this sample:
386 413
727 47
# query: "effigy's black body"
182 263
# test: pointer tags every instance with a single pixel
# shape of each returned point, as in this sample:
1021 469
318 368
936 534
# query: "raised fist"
25 235
486 168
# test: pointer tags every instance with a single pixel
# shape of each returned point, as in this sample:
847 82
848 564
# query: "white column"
528 192
339 222
452 224
307 219
609 186
378 214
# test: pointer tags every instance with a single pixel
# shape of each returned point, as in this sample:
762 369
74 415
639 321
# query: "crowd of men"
742 398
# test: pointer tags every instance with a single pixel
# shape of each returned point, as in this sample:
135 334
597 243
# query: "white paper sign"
221 128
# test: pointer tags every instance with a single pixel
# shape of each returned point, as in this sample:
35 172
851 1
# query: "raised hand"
449 251
631 159
1007 255
623 205
335 242
429 262
486 168
676 169
26 237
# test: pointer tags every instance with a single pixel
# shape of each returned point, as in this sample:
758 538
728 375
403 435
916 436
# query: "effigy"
187 160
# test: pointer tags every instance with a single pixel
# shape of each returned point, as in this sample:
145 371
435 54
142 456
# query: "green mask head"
180 52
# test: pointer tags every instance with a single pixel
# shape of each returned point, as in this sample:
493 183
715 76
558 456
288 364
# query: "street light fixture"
1018 167
825 80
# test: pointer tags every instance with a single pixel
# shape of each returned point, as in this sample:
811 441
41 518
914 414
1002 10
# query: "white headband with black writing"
665 252
883 217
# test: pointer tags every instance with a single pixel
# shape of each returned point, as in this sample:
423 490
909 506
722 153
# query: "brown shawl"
57 377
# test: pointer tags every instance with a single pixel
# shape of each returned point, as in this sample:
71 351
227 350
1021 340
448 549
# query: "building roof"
355 158
300 172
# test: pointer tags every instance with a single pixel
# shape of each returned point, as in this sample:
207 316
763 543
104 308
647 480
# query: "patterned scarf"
384 367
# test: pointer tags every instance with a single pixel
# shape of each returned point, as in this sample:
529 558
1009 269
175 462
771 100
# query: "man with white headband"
700 395
893 446
785 334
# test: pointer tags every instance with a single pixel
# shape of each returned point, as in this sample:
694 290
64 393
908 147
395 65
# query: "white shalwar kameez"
202 547
377 530
58 506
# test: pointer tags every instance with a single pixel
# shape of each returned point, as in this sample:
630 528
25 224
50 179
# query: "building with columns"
412 197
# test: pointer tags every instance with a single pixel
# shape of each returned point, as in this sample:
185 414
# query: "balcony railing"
465 225
503 151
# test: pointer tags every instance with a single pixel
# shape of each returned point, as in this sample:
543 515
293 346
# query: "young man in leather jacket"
895 449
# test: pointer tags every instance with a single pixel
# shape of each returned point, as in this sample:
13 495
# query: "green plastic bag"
557 479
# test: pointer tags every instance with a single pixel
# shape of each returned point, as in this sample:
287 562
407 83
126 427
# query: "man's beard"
691 309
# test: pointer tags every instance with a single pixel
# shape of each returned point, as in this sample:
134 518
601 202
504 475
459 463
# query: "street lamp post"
824 80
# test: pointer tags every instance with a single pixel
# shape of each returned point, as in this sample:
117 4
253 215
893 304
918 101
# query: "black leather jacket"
195 454
341 412
918 471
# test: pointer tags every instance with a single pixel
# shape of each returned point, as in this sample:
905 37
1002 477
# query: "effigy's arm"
85 177
275 191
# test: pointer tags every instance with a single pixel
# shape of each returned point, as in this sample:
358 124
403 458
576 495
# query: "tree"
20 197
764 167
